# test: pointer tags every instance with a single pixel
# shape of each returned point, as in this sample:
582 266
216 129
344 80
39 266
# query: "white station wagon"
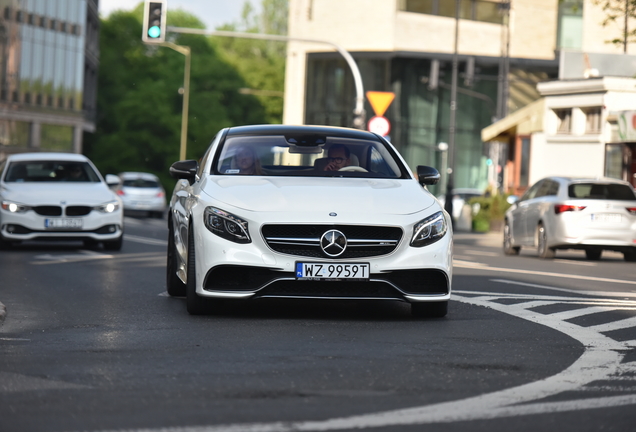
306 212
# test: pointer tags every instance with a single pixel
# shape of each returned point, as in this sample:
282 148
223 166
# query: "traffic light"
154 21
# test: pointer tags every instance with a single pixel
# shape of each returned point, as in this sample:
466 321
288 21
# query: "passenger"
246 161
338 157
76 173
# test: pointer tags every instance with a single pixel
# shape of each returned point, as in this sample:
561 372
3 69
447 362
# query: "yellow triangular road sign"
380 101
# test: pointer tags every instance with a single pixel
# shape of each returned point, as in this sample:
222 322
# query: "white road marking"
623 294
564 261
601 361
145 240
481 266
12 382
482 253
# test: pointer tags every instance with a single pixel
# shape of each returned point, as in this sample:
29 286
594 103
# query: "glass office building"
49 53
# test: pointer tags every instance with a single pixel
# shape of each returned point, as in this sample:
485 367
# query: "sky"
213 13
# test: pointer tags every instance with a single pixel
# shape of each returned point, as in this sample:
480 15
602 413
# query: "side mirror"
112 180
512 199
186 169
427 175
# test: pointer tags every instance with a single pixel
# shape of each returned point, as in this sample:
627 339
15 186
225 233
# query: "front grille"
78 210
346 289
304 240
19 229
239 278
48 210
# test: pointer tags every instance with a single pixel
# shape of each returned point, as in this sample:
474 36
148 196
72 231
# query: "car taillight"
160 194
632 210
120 192
562 208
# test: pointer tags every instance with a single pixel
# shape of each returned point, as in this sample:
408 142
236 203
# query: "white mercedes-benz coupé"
306 212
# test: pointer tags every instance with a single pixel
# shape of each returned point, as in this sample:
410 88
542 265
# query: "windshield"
50 171
334 156
601 191
141 183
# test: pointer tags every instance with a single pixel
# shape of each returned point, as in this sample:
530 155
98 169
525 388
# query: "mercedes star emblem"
333 243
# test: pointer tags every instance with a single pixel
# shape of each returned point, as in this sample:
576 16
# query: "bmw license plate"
331 271
63 223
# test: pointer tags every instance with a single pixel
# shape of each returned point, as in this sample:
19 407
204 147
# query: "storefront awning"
526 120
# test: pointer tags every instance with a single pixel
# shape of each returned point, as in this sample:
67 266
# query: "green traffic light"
154 32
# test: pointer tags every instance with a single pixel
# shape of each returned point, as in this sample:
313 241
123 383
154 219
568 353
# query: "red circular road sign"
379 125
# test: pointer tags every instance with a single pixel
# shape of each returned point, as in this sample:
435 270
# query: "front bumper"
31 226
225 269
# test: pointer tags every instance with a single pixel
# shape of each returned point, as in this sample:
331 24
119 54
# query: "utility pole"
448 203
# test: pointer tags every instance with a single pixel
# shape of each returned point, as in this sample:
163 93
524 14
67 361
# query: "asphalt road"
91 342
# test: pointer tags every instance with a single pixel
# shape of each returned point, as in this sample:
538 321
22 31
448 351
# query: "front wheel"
114 245
174 285
429 309
544 251
507 242
630 256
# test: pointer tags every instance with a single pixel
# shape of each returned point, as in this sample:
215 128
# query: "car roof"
136 175
590 180
295 129
43 156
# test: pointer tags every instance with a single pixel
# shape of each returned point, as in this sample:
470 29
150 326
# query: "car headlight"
429 230
226 225
108 207
15 207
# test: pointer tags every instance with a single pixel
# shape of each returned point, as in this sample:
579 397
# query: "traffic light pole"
186 95
359 115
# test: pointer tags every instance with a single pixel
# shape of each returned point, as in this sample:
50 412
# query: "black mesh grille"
78 210
48 210
313 233
352 289
418 281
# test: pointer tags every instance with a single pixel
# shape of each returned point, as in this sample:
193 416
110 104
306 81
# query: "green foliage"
139 105
261 63
491 211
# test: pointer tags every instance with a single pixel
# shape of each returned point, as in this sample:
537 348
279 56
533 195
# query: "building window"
564 120
592 120
524 163
54 137
570 25
476 10
14 133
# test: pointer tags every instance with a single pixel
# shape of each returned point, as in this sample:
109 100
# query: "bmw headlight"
226 225
108 207
429 230
15 207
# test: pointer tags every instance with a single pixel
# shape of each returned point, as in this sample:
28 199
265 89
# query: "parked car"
143 192
461 215
306 212
573 213
58 196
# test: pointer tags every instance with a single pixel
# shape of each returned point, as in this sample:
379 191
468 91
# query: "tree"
139 107
260 63
619 12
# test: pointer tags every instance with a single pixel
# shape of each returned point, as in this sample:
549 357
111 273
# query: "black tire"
507 242
593 254
174 285
195 304
429 309
542 243
90 243
114 245
630 256
159 215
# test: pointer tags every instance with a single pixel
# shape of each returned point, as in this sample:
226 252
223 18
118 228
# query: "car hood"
397 197
54 193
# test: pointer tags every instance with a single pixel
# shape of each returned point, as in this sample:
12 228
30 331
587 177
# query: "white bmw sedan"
58 196
306 212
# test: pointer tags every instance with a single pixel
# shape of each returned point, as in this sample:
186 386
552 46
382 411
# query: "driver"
338 157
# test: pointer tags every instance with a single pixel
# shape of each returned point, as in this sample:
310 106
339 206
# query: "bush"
488 212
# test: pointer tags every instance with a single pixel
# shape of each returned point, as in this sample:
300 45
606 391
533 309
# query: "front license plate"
330 271
606 218
63 223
